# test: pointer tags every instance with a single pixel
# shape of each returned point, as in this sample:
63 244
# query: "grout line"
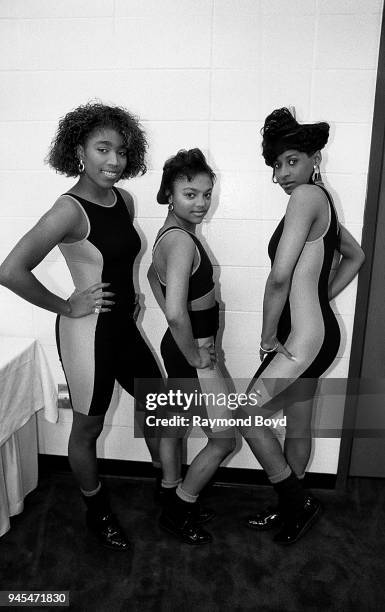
313 68
177 69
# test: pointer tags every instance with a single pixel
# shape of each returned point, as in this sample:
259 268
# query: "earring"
81 166
316 176
170 207
274 179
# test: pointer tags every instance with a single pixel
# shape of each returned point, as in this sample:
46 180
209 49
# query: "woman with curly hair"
300 333
97 337
181 277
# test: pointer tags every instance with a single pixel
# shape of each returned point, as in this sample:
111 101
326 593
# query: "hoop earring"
170 207
316 176
81 166
274 179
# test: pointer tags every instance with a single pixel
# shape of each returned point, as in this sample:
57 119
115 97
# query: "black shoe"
158 486
201 514
294 527
264 520
182 525
108 531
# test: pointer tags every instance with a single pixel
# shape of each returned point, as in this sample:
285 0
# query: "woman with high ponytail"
300 333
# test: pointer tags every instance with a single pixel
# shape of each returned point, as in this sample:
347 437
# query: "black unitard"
97 349
204 323
307 327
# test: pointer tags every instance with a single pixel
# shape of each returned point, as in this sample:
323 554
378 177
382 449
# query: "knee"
222 447
230 445
86 432
297 431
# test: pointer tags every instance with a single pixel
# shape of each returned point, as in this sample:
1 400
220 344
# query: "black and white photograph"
192 325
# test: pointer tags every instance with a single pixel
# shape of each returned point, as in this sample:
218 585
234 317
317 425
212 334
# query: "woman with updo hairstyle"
300 333
97 337
181 277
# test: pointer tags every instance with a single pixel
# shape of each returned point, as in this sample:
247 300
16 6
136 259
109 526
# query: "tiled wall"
199 73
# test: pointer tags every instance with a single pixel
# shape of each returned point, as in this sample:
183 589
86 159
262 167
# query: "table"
26 386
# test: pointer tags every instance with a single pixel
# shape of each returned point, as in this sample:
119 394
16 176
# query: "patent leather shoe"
184 527
294 527
108 531
266 519
202 514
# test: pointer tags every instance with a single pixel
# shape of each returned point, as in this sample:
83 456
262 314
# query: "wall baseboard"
143 469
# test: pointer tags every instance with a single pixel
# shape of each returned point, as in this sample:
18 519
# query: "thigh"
137 370
216 402
174 361
298 409
87 356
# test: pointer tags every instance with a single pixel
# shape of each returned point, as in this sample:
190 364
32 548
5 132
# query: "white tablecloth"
26 386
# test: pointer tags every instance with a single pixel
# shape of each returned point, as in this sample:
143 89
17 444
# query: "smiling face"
105 157
191 199
293 168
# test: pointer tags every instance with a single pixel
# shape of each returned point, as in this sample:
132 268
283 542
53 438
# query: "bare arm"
179 252
129 202
156 288
59 223
302 210
352 258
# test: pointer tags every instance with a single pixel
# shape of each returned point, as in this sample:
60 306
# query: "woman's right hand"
90 301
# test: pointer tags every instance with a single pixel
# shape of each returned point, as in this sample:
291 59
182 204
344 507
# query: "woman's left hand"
136 312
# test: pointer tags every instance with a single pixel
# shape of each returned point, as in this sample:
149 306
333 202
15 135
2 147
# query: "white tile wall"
337 41
288 41
36 191
349 150
202 73
283 87
55 92
16 316
45 9
297 7
364 7
236 39
150 9
167 137
235 93
162 43
354 95
25 144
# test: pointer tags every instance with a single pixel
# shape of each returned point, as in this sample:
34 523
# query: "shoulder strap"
170 229
77 199
330 200
167 231
72 195
119 197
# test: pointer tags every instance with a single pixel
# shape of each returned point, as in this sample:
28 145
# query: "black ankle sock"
291 495
158 475
177 504
98 504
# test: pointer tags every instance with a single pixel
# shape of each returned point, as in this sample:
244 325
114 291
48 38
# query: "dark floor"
338 566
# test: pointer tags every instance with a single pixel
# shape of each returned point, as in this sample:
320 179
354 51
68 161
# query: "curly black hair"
184 164
76 126
282 131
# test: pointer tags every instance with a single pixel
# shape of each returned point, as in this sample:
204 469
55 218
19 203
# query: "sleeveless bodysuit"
307 327
204 323
98 349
